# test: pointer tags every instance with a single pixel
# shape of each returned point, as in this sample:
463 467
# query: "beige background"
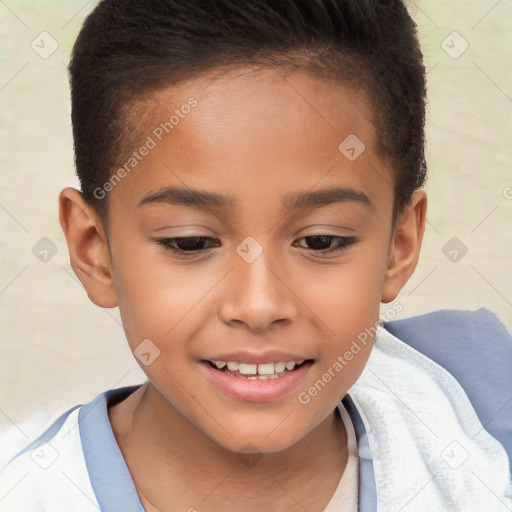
58 349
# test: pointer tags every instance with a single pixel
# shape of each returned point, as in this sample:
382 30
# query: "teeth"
246 369
266 368
261 371
279 367
264 377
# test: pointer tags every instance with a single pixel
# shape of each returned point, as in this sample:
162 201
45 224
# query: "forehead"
246 131
268 105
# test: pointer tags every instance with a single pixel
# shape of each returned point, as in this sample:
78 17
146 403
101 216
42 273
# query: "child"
251 179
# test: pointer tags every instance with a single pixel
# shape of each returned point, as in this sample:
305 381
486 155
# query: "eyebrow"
300 200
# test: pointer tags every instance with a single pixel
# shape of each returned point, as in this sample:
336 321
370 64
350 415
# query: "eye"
184 245
322 243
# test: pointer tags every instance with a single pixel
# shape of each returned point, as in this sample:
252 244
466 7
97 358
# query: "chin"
257 441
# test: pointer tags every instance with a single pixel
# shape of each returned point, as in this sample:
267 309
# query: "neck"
156 439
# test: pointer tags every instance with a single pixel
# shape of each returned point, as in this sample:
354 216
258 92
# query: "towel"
430 451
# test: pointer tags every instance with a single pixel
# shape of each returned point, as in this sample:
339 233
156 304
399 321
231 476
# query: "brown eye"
322 243
183 245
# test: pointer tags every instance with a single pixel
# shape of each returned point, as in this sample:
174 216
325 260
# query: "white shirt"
346 495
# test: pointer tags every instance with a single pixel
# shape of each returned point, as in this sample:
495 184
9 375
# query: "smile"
262 371
253 382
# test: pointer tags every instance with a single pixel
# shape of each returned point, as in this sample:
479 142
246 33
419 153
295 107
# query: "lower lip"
254 390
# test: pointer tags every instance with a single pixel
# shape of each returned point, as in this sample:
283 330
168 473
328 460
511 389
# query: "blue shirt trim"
108 472
367 485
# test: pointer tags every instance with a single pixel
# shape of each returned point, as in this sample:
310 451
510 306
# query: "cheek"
346 296
161 300
346 302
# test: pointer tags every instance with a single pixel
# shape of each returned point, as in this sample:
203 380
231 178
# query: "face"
246 234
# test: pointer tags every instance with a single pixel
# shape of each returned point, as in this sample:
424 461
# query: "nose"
255 295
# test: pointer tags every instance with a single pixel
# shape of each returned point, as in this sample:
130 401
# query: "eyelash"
168 244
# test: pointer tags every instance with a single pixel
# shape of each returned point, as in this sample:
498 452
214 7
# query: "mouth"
261 371
263 382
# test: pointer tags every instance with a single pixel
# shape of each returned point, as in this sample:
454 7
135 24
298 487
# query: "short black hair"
128 48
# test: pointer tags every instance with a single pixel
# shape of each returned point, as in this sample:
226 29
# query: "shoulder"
452 326
476 349
418 415
465 343
49 473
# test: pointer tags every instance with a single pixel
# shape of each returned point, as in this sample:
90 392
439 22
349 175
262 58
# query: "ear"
88 248
405 246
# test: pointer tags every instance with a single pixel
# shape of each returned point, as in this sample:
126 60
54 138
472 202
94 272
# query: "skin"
256 137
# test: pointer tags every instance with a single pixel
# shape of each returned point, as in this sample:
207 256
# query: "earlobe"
405 246
88 249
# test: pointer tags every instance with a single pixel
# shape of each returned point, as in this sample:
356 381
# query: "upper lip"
247 357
